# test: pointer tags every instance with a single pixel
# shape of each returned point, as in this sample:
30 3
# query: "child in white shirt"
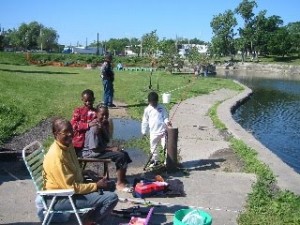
155 118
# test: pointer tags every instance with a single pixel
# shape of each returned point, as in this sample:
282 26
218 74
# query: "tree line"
259 35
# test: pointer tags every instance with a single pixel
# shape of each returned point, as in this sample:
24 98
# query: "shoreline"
272 71
287 178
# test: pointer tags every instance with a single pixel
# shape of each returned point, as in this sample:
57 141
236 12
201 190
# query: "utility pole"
41 39
97 53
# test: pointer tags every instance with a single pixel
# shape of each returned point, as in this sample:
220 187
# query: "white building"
129 52
185 48
83 50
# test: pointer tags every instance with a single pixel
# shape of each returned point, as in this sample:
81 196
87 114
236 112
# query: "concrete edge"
287 178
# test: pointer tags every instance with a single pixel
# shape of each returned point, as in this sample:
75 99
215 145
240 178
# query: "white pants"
154 140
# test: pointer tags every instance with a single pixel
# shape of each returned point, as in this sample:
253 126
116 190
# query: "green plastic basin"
179 215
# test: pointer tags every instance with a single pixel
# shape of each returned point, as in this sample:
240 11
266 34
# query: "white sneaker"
153 163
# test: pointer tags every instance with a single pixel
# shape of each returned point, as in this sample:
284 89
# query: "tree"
47 39
279 43
196 41
265 27
28 37
245 10
117 46
194 57
223 29
170 57
150 43
294 33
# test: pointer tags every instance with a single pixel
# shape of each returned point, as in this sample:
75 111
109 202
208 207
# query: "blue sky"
78 21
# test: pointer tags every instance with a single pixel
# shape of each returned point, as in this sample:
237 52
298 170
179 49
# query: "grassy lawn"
30 94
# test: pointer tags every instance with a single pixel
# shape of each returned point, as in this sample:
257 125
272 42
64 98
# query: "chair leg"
75 210
48 212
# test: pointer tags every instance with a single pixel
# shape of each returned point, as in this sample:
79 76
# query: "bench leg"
105 171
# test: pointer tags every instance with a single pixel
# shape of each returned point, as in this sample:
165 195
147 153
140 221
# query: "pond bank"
262 69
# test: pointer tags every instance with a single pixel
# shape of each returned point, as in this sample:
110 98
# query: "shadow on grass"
136 105
30 71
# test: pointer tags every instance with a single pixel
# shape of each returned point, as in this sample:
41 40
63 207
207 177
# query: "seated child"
95 146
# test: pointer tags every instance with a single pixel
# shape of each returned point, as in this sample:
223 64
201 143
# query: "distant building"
184 49
129 52
83 50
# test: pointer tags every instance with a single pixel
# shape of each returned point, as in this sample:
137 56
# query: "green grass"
266 204
34 93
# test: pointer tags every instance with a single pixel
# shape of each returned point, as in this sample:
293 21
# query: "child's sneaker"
153 163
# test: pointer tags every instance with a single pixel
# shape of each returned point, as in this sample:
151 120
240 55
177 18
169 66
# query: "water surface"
273 114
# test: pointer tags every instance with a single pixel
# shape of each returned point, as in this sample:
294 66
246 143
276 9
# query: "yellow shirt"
62 170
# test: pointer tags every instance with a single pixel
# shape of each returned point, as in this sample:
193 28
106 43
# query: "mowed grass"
30 94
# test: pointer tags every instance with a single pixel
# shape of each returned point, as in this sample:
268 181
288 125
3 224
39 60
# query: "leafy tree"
223 29
28 37
170 56
117 46
245 10
47 39
194 57
197 41
265 27
294 33
150 43
279 43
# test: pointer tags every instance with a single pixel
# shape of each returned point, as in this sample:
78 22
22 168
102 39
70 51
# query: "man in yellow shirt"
62 171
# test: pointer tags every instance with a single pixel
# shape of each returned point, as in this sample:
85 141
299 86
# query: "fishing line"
154 203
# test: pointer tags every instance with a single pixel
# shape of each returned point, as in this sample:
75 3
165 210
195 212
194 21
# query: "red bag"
146 189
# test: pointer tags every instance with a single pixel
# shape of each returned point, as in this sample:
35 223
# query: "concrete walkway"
221 194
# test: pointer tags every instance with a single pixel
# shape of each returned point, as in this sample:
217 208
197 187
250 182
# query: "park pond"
272 114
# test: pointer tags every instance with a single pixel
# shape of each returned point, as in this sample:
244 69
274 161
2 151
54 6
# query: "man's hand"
101 184
91 174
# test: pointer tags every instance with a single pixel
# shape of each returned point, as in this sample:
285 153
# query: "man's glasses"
65 133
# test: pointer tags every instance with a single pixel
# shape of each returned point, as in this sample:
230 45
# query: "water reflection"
272 114
126 129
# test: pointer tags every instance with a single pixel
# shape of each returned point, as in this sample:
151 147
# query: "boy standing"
108 77
83 119
156 118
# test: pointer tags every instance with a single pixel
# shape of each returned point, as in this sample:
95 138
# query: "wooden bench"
84 161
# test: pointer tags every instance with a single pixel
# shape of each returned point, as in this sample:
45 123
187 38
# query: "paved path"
221 194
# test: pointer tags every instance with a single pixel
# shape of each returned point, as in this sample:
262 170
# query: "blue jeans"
103 203
108 92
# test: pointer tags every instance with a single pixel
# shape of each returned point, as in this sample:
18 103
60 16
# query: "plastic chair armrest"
57 192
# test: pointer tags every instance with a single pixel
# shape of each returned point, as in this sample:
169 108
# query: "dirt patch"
226 160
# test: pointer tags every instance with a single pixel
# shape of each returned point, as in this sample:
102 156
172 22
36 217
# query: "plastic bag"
193 218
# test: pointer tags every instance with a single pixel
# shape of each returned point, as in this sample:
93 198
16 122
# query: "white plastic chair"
33 156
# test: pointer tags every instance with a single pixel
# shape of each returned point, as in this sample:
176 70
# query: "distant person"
120 66
61 170
108 76
197 70
155 118
83 118
96 146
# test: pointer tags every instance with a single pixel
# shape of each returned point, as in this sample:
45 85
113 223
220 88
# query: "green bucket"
179 215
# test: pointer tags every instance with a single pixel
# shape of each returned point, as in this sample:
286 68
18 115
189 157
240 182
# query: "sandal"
126 189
